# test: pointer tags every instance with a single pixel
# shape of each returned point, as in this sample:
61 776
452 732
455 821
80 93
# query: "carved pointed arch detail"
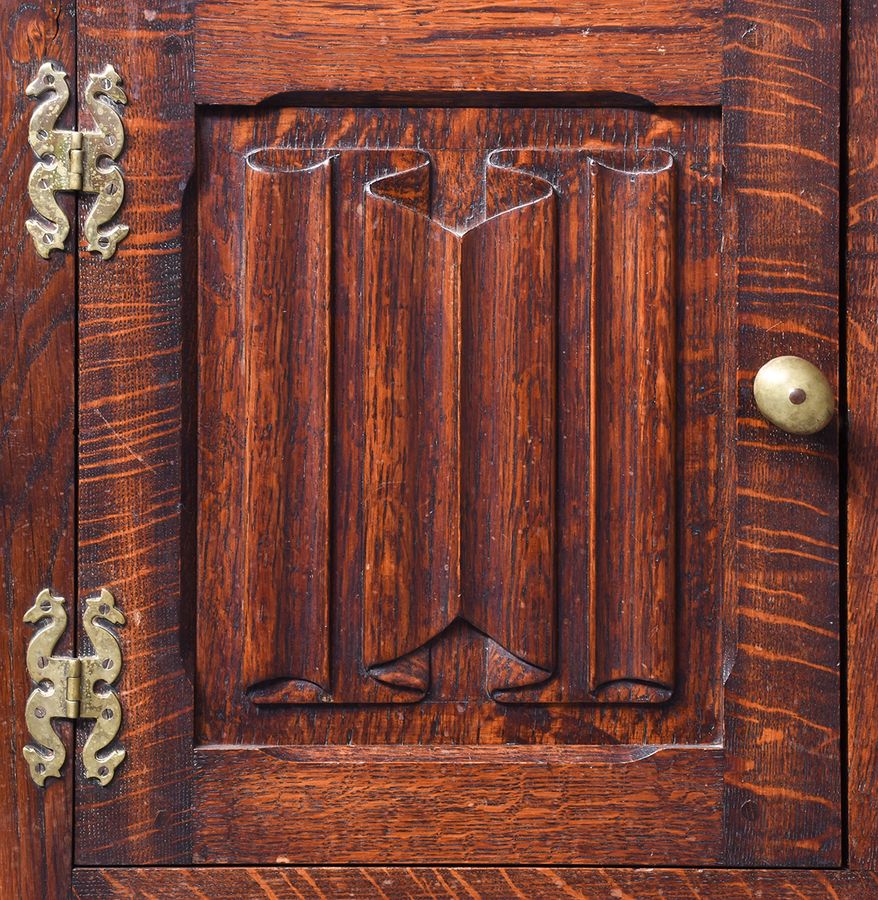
477 340
449 533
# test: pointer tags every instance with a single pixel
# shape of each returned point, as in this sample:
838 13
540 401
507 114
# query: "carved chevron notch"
76 160
459 375
69 687
624 302
482 343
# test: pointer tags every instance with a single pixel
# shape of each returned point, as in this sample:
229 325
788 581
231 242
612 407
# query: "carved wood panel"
460 420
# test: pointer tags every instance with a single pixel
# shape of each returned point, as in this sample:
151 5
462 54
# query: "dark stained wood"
423 883
633 467
508 429
781 118
286 355
409 805
395 478
37 455
411 309
130 419
317 788
862 437
664 52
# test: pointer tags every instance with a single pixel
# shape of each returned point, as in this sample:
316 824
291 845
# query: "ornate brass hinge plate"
76 160
68 687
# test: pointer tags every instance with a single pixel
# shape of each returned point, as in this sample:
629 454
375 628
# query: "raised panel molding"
633 386
412 295
452 436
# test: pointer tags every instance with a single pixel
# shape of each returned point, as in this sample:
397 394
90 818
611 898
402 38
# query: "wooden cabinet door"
418 443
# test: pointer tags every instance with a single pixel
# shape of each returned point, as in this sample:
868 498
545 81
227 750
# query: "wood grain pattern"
396 479
508 374
37 456
286 309
775 799
424 883
781 118
411 572
130 430
459 495
633 467
473 313
664 52
410 805
862 435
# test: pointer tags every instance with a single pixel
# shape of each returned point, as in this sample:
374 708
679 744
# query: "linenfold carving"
461 368
424 571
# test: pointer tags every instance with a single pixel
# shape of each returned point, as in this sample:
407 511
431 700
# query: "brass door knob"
794 395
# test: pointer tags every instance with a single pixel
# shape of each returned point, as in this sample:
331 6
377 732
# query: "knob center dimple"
794 395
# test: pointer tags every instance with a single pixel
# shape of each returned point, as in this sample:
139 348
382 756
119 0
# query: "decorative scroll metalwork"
76 160
67 687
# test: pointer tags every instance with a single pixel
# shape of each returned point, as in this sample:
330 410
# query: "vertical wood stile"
781 208
133 311
287 358
862 339
37 455
632 427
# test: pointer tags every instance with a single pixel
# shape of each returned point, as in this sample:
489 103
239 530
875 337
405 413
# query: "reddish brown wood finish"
422 883
459 495
665 52
411 571
508 424
633 469
781 795
862 438
37 456
781 117
445 299
286 453
130 419
340 805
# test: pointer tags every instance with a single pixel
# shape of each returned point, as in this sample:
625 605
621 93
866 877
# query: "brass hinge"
68 687
76 160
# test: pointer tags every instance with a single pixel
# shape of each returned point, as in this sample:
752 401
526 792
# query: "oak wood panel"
287 345
862 435
781 118
130 426
633 461
340 805
664 52
508 423
411 572
459 139
755 737
37 455
424 883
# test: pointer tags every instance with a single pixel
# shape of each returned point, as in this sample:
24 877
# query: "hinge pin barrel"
76 161
74 688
